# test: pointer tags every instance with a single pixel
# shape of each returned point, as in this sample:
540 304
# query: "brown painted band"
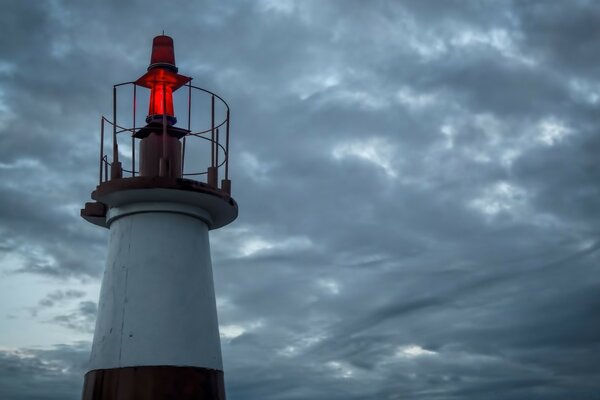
154 383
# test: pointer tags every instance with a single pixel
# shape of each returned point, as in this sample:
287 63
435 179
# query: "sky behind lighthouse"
417 181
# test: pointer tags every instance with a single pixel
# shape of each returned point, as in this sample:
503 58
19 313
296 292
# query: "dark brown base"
154 383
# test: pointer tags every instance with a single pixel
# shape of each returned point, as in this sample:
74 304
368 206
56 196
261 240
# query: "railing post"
163 167
217 154
212 131
101 146
189 127
114 124
115 167
226 183
227 146
133 131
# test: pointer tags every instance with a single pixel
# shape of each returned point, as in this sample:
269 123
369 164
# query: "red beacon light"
162 79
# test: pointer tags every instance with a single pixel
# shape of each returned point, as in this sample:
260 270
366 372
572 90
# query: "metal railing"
219 146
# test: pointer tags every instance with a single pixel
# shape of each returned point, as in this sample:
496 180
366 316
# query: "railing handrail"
217 148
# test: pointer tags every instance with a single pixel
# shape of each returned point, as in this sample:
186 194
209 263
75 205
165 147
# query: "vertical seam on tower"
123 316
125 299
123 310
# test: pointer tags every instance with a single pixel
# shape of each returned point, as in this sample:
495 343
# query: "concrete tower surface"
157 335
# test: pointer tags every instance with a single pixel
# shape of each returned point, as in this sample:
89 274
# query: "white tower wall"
157 302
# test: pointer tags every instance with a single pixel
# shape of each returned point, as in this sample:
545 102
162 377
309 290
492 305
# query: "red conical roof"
163 53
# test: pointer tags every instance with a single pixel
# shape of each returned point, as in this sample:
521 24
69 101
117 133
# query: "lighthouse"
157 334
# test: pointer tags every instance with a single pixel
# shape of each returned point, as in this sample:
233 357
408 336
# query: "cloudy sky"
417 181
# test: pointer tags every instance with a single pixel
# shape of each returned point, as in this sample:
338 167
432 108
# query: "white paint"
221 212
157 302
164 207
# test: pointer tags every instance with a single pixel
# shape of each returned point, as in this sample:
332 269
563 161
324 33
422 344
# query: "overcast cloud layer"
417 181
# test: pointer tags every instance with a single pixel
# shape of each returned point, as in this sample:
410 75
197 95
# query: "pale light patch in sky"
308 86
361 98
498 39
23 256
69 210
255 168
254 245
60 13
231 331
552 131
6 117
257 244
431 45
586 245
415 37
125 152
60 48
449 133
486 126
508 156
500 146
414 100
491 126
30 355
377 151
21 163
585 90
340 369
279 6
296 347
6 67
295 243
224 303
329 286
428 46
478 156
413 351
224 76
498 198
288 351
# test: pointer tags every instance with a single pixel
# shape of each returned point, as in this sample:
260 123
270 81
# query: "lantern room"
181 143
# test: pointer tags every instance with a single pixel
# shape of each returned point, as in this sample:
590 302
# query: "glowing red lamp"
162 79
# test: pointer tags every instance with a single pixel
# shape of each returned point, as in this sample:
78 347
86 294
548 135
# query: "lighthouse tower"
157 334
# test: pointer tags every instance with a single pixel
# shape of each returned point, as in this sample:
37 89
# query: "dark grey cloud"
57 297
81 319
27 374
417 186
57 308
